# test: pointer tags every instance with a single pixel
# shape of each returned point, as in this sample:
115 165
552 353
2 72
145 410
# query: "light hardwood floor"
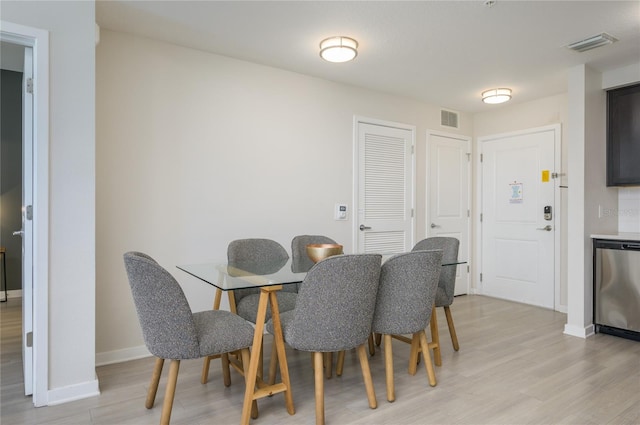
515 366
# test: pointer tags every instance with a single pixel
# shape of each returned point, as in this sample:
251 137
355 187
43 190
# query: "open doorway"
34 229
11 184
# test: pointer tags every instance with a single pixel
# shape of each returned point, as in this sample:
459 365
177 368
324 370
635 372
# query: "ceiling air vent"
448 118
592 42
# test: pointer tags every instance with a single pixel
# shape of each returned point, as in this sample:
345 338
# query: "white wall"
538 113
71 189
195 150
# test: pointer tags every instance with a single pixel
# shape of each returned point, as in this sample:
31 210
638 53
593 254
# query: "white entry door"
448 159
384 187
519 215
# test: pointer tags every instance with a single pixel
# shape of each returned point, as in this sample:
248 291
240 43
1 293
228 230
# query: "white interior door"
27 222
385 175
448 159
518 240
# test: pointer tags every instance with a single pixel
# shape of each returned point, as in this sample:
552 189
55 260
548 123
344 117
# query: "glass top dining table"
253 274
269 278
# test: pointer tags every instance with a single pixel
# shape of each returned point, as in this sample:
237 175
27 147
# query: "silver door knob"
434 225
363 227
546 228
18 233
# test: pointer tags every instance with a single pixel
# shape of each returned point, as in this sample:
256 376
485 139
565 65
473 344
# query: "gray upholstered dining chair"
408 284
447 282
300 261
259 256
333 312
172 331
255 256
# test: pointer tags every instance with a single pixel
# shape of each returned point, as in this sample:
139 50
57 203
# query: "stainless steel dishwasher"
617 287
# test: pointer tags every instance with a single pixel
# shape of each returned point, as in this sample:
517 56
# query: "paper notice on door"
515 193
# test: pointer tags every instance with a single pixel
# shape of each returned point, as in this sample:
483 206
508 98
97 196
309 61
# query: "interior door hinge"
480 277
29 339
467 268
481 157
480 217
413 149
29 212
411 212
468 157
29 85
468 213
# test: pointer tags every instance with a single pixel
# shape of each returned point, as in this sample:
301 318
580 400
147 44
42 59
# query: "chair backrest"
300 260
163 310
449 247
259 256
408 284
335 304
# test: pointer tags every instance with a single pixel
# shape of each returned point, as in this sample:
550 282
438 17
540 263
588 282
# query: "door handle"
363 227
547 228
434 225
18 233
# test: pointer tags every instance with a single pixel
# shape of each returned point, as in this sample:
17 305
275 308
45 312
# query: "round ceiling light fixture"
338 49
494 96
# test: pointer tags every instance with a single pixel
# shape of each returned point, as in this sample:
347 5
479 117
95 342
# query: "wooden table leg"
267 297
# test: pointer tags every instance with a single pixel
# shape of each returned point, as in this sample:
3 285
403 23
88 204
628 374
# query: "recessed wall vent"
448 118
592 42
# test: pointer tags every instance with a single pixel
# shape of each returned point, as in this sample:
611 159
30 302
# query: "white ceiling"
439 52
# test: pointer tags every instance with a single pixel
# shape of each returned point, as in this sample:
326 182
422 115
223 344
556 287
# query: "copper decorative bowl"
320 251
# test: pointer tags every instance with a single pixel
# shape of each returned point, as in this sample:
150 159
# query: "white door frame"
357 119
428 219
556 128
38 39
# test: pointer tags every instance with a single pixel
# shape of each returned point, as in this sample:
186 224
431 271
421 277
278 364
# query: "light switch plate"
340 212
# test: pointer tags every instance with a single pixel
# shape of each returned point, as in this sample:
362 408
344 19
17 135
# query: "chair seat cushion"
221 331
247 308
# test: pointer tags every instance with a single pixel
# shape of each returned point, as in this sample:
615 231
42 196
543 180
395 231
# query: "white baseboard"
119 356
73 392
578 331
12 293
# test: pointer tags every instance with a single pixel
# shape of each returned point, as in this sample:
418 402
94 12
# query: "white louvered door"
384 183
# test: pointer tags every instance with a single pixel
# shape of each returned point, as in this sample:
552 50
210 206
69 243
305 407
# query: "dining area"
336 306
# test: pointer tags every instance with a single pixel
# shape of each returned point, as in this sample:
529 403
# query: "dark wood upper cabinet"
623 136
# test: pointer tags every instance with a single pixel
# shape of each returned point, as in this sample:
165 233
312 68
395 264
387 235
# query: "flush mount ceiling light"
338 49
494 96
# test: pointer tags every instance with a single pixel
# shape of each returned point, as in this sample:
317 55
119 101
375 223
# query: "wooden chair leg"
328 365
319 387
435 338
452 329
388 368
244 353
366 374
273 364
378 339
204 377
413 354
170 392
340 363
372 348
153 386
426 355
226 375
